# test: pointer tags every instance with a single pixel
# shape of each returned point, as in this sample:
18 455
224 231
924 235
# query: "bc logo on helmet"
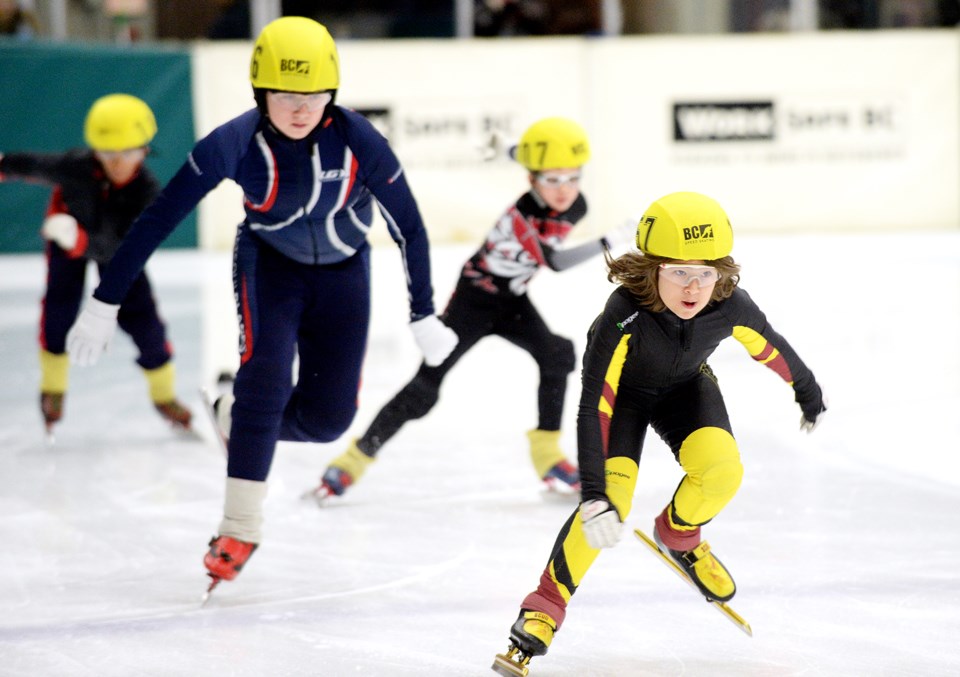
701 232
297 66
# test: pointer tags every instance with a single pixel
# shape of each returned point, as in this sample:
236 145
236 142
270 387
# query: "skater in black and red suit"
491 299
98 191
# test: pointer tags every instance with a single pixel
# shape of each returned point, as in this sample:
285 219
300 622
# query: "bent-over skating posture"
311 173
646 365
490 299
98 191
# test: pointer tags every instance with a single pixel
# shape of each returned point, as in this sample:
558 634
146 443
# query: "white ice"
844 543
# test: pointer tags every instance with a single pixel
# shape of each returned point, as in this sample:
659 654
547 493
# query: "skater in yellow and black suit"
645 365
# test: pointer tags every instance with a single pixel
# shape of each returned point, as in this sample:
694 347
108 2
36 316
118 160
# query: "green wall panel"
45 92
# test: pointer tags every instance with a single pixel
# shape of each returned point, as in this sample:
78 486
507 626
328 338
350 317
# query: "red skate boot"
225 559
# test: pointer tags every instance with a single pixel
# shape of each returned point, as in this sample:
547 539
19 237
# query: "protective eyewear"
557 180
293 102
682 275
128 154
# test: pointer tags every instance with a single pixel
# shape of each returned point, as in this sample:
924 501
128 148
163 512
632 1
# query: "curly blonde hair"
638 273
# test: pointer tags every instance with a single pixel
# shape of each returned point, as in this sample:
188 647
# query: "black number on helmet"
254 63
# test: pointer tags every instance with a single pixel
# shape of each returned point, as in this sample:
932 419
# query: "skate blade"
206 596
320 495
557 491
207 399
722 607
504 664
49 437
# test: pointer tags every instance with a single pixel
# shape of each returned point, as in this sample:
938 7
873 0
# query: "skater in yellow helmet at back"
98 191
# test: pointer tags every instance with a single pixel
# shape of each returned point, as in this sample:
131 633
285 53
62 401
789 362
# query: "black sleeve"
772 350
602 367
43 168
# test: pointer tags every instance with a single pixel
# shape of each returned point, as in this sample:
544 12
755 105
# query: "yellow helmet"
553 143
119 122
686 227
295 54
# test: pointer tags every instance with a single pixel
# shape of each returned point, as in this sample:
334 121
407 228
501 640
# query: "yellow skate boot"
700 564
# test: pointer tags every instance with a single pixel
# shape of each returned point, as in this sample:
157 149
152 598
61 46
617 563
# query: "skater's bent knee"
722 479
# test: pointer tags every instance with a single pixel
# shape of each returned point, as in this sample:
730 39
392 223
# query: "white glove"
601 524
808 426
435 339
90 335
625 233
62 229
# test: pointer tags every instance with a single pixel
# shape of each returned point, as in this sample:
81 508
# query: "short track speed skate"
513 663
224 561
722 607
530 636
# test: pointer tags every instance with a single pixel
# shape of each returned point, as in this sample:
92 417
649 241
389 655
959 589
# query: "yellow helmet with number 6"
295 54
553 143
685 227
119 122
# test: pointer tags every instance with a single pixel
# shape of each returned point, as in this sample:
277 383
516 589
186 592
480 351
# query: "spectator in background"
17 22
233 22
536 17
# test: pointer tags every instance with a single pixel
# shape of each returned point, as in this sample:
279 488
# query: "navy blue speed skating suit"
301 268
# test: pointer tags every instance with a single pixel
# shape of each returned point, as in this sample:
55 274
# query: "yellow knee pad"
711 460
54 372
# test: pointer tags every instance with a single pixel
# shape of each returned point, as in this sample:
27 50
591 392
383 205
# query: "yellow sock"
353 461
545 450
162 383
54 372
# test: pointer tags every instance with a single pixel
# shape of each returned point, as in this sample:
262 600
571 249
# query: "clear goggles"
683 274
557 180
291 101
128 154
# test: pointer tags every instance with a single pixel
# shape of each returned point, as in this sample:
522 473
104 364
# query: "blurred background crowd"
171 20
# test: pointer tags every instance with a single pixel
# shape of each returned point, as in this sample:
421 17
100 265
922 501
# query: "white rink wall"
796 132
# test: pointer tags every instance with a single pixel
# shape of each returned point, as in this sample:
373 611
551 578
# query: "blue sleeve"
384 177
213 158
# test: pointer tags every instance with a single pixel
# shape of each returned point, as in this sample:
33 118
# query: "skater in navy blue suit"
311 173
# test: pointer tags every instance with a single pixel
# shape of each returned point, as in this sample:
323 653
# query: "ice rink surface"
844 543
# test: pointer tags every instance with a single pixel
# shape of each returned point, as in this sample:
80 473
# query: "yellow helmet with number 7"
685 227
553 143
119 122
295 54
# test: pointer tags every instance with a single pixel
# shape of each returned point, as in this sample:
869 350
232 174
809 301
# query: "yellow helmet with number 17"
295 54
553 143
685 227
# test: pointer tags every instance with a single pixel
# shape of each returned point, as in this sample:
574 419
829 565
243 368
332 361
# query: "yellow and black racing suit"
643 368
